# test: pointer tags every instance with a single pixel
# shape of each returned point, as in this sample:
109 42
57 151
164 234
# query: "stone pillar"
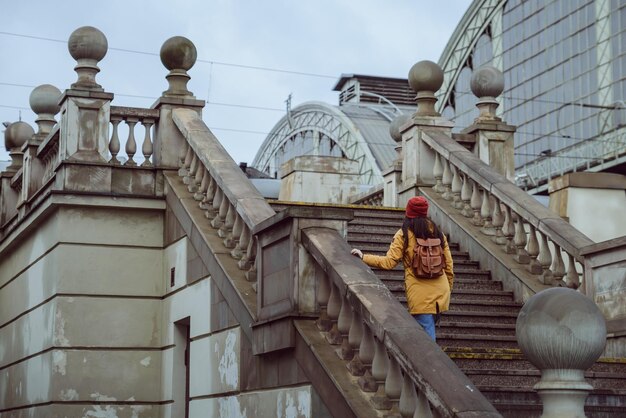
494 138
317 179
178 55
425 78
562 333
44 101
392 176
85 107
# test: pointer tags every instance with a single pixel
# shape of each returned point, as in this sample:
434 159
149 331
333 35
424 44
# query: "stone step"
446 326
454 339
475 305
479 316
459 273
462 287
463 296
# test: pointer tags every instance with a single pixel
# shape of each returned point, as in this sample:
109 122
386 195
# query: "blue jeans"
427 321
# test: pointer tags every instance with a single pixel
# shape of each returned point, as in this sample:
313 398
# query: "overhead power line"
225 64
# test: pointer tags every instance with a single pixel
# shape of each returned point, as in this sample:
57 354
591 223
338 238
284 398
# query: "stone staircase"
478 332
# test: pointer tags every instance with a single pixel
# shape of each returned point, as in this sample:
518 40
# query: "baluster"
211 191
189 179
218 221
545 259
438 174
558 267
146 147
232 239
251 275
322 297
533 251
521 255
497 222
196 181
242 242
423 407
456 189
408 398
114 144
185 156
572 280
446 180
380 365
476 204
340 329
131 144
367 354
247 259
200 195
333 309
508 230
485 213
393 383
466 195
344 323
362 361
355 335
229 221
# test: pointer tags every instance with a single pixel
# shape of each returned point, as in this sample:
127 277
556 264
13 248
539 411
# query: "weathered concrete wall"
592 202
79 311
319 179
298 402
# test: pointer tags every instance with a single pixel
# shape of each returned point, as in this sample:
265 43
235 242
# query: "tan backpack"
428 259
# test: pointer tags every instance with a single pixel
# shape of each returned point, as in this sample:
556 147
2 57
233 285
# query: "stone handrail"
536 237
373 197
231 203
385 350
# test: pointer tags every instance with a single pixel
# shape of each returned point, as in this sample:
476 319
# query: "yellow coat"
422 294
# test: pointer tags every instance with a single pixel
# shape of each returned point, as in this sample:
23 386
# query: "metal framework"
319 119
606 149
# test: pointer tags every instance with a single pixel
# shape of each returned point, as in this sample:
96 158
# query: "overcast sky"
306 44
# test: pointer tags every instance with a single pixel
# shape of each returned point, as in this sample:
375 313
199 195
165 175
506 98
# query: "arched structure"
357 129
564 64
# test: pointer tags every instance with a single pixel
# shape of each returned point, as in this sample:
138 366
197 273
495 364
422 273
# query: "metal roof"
374 127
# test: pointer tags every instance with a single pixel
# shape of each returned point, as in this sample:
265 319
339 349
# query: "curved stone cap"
394 127
17 134
44 99
559 328
87 42
178 53
425 76
487 81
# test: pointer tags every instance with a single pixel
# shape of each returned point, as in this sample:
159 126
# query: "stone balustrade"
373 333
231 203
131 117
533 235
373 197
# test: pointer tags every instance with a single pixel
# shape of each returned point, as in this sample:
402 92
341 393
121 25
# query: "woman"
426 298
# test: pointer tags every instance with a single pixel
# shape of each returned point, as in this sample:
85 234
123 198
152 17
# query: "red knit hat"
417 207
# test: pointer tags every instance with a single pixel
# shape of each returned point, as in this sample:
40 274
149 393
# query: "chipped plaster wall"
295 402
80 313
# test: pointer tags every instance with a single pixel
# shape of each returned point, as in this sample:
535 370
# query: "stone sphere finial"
44 101
87 45
394 126
16 135
563 333
559 328
425 78
487 83
178 55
